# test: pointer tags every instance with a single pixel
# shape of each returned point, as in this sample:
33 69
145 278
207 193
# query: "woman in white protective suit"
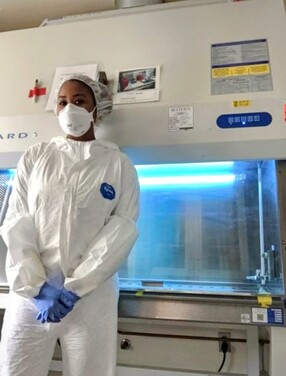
69 226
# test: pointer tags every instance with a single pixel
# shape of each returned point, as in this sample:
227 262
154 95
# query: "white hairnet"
102 95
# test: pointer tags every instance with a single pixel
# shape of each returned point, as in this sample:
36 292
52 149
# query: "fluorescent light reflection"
11 175
187 180
185 174
8 171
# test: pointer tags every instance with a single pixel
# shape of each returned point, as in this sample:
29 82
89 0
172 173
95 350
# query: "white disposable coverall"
61 227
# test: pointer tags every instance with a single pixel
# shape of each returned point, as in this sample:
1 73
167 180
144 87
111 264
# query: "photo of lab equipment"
139 79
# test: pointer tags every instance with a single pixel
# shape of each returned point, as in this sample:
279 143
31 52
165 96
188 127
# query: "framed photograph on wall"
137 85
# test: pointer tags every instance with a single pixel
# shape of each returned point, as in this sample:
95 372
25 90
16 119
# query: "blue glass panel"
200 225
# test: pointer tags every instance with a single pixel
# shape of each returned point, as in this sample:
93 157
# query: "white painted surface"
277 351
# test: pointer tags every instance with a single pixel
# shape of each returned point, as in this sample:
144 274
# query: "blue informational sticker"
244 120
272 316
107 191
275 316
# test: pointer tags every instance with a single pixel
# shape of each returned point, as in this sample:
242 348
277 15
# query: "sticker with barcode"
259 315
267 316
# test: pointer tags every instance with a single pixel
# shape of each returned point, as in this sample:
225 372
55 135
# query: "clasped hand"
54 304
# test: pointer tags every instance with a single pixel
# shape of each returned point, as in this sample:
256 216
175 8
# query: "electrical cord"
224 349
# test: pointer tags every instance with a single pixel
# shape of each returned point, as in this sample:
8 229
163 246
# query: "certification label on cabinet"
181 117
240 67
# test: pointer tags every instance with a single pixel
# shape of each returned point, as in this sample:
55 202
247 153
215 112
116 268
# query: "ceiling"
23 14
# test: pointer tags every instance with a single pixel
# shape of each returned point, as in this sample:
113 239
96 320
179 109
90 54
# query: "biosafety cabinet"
212 237
209 145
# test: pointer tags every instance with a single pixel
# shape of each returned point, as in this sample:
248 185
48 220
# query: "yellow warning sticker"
264 300
242 103
244 70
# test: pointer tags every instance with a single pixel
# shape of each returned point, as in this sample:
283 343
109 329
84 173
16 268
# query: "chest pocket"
97 189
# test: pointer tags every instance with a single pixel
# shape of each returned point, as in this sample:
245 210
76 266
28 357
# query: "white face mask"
75 120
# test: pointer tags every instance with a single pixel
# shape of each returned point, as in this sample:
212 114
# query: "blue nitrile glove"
50 308
60 309
43 306
54 313
68 297
45 300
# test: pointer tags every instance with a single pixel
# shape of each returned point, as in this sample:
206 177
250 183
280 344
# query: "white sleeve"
113 243
25 272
